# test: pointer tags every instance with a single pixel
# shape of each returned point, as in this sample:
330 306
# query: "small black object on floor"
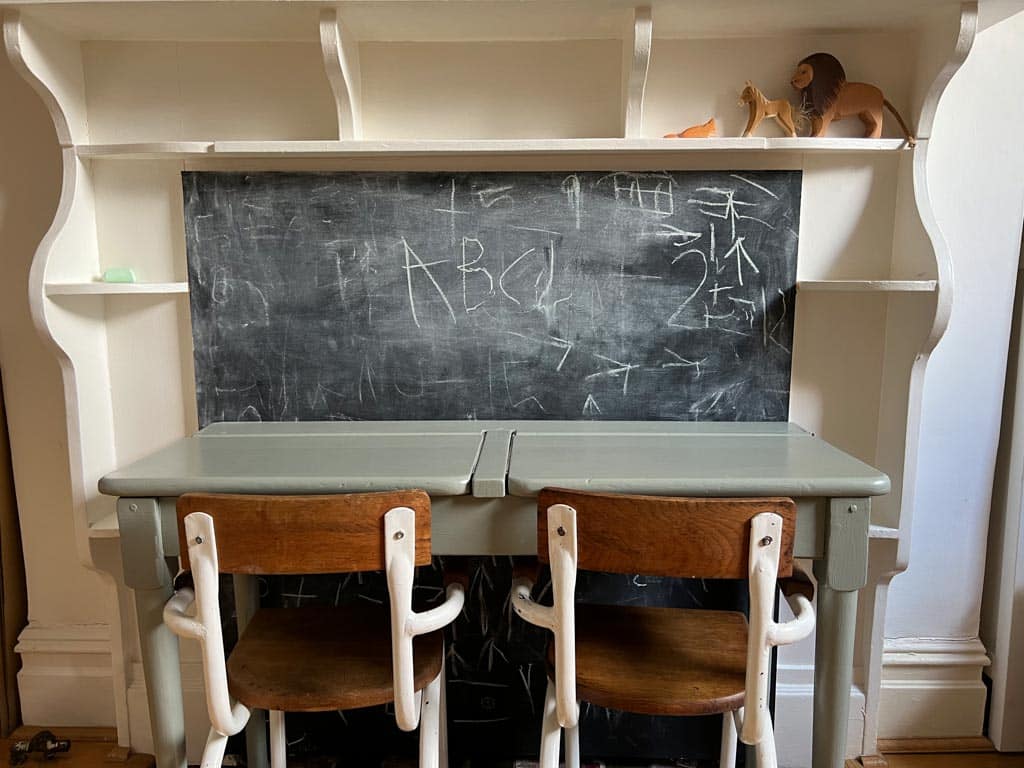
44 742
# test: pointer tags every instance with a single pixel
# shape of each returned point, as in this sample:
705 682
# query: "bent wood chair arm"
195 614
400 567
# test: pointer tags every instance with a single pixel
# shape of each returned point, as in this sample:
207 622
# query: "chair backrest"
303 534
665 536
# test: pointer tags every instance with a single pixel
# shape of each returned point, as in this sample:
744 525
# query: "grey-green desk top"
488 459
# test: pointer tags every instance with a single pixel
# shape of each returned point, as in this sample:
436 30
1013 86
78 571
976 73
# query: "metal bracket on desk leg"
846 544
146 573
840 575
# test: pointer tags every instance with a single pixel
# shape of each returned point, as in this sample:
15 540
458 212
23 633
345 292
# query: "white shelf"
105 528
145 150
450 147
883 532
872 286
438 21
106 289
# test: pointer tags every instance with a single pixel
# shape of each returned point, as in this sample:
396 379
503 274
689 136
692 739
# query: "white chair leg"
278 740
765 747
430 724
442 713
572 746
213 752
550 730
727 755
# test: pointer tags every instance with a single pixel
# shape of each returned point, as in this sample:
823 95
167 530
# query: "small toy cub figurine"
762 107
702 131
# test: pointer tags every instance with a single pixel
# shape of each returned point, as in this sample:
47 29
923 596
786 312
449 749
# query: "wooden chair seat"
323 658
659 661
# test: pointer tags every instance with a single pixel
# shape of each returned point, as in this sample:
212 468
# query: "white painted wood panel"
164 91
846 218
150 409
488 90
140 219
837 368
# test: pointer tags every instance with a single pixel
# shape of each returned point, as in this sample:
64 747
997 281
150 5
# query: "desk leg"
147 574
247 602
840 575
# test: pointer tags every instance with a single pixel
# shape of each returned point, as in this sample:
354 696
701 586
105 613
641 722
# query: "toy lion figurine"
825 96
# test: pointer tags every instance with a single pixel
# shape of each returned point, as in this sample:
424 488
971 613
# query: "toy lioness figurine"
826 96
762 107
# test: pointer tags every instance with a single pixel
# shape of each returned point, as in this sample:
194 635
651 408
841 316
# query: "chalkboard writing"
533 295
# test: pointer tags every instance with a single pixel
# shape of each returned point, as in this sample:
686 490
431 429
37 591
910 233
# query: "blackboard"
539 295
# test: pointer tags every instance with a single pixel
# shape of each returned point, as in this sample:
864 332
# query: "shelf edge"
111 289
384 148
867 286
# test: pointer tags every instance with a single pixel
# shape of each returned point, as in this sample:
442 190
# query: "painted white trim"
341 63
932 688
927 652
66 677
637 60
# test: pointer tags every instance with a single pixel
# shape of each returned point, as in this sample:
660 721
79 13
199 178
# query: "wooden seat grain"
659 661
321 658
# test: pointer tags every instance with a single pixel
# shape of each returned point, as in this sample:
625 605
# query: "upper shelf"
343 149
442 21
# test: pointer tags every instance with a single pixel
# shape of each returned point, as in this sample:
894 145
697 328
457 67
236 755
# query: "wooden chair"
664 661
314 658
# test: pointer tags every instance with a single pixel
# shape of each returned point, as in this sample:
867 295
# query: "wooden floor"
97 748
958 760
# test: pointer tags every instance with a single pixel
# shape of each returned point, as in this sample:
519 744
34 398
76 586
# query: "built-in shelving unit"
140 91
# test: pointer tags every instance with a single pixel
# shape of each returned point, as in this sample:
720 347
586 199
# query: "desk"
482 478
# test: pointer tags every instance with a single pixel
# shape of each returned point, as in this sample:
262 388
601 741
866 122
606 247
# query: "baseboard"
932 689
66 676
794 711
